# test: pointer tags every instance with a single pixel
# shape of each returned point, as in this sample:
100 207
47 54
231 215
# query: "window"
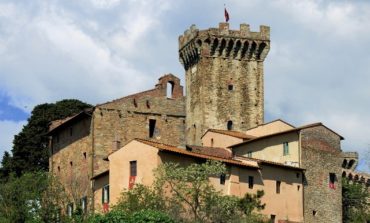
133 168
298 187
222 178
70 209
105 194
229 125
135 103
211 142
250 182
84 204
230 87
272 218
314 212
286 148
151 127
58 168
278 183
169 92
332 178
147 104
84 154
71 164
249 154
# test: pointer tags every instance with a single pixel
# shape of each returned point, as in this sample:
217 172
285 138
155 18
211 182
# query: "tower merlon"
241 44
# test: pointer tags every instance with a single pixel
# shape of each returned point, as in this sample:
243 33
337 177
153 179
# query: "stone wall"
224 78
320 157
71 159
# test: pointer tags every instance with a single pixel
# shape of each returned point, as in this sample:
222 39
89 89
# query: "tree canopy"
30 145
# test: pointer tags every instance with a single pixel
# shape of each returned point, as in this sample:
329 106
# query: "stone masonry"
224 78
80 144
321 157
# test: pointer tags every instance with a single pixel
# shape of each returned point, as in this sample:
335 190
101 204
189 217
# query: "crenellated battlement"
222 42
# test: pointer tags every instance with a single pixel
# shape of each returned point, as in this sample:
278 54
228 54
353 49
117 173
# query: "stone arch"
222 47
229 47
214 46
244 49
252 51
350 164
261 47
237 47
350 177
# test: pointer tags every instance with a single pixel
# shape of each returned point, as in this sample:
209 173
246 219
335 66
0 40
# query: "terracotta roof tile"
236 134
169 148
211 151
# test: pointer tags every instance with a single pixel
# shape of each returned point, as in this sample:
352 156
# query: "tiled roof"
57 123
169 148
287 131
267 162
211 151
236 134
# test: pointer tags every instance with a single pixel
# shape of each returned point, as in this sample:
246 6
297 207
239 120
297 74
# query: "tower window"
278 183
230 87
222 179
211 142
151 127
250 182
135 103
170 86
229 125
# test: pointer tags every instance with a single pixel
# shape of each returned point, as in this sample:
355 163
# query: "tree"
30 146
356 202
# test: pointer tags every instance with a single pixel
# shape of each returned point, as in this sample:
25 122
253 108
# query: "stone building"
220 118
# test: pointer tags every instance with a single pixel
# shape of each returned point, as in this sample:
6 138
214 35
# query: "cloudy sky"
318 68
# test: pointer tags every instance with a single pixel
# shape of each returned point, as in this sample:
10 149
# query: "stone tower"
224 78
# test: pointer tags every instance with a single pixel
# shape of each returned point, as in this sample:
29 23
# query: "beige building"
282 184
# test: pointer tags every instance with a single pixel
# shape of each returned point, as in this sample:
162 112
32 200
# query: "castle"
99 152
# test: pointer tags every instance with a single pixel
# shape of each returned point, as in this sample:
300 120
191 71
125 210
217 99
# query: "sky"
318 68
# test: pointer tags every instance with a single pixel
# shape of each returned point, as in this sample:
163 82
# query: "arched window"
229 125
344 164
350 164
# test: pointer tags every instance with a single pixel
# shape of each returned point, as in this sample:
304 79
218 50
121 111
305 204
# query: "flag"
226 15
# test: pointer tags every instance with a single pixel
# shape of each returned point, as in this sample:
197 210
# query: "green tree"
30 146
356 202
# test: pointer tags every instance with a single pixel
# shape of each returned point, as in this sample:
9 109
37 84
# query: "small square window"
230 87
